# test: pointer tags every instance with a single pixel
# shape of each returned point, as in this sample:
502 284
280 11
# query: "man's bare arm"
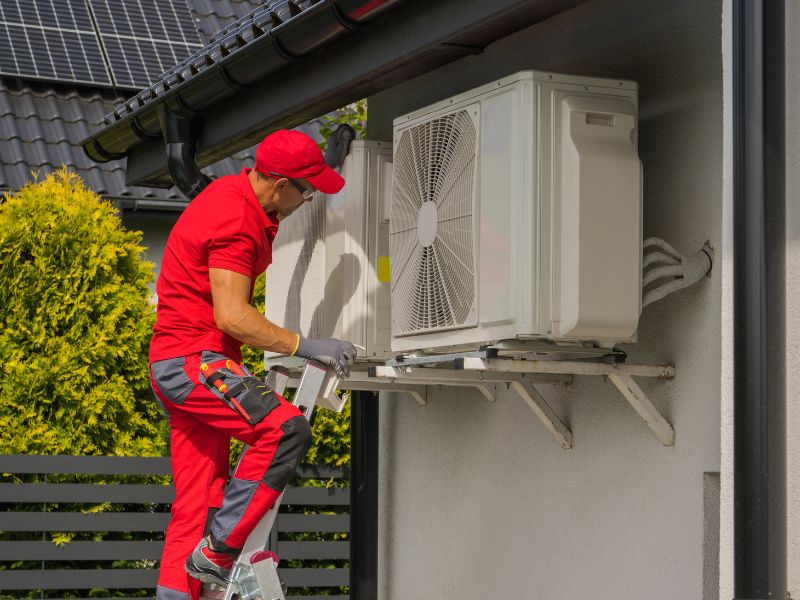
236 317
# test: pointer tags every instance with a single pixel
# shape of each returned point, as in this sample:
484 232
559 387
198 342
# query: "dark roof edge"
264 41
416 37
127 203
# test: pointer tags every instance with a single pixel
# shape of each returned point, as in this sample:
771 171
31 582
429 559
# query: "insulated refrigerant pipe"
759 300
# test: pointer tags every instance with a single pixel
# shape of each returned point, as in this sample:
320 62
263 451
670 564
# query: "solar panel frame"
51 40
158 34
116 43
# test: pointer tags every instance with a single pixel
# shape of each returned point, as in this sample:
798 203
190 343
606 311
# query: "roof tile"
213 15
41 124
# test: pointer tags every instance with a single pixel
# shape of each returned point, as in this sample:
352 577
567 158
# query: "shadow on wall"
346 288
296 284
327 313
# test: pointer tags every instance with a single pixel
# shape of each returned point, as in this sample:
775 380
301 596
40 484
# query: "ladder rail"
254 575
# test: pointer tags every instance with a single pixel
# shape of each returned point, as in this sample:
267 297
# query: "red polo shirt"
224 227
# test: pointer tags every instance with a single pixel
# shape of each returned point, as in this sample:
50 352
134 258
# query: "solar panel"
123 43
144 38
50 39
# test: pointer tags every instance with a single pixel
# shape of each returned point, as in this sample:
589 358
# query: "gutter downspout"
180 138
759 478
364 495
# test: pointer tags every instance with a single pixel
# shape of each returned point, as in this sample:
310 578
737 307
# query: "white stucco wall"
477 500
155 227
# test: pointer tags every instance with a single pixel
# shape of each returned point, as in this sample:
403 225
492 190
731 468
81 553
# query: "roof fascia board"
415 38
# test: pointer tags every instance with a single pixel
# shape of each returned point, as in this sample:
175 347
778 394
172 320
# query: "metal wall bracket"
360 381
523 384
545 413
520 370
642 405
621 375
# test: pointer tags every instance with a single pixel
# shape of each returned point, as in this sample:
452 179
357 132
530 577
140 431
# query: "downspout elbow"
183 169
180 138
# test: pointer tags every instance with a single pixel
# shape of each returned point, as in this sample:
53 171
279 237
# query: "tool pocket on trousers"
171 378
254 398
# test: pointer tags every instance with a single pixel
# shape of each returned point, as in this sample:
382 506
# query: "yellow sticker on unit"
384 272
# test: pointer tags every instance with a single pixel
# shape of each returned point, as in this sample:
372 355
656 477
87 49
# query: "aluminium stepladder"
254 575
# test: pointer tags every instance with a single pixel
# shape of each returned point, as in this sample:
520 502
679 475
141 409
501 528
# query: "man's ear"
281 183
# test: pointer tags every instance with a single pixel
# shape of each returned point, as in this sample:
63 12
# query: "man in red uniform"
219 245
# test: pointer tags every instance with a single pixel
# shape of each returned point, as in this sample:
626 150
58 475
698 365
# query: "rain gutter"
262 87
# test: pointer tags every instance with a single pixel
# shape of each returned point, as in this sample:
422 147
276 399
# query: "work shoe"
209 566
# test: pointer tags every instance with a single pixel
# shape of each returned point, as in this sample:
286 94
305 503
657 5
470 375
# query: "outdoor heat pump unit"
330 260
516 213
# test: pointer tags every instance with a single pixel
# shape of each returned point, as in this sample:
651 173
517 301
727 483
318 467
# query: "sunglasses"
305 192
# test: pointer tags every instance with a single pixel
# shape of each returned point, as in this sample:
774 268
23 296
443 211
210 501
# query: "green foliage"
252 357
331 445
75 323
354 114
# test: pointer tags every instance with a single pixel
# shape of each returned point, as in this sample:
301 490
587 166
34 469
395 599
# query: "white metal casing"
329 257
557 225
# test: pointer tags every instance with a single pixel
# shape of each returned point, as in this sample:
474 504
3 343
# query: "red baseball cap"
295 155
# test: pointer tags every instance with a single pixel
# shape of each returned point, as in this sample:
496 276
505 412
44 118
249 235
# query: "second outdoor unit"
330 260
516 213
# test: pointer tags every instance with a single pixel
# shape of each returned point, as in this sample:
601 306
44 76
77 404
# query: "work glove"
333 353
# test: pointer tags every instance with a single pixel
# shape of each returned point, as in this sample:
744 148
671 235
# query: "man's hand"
336 354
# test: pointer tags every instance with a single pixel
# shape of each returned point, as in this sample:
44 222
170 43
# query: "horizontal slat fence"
36 511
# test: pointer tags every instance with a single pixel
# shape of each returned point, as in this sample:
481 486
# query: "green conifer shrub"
75 323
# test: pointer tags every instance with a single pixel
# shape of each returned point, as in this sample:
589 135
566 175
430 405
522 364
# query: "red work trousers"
201 427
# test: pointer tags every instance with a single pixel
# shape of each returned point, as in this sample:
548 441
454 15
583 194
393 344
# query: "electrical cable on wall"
670 270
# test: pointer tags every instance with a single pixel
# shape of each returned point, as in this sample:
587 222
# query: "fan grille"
433 283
